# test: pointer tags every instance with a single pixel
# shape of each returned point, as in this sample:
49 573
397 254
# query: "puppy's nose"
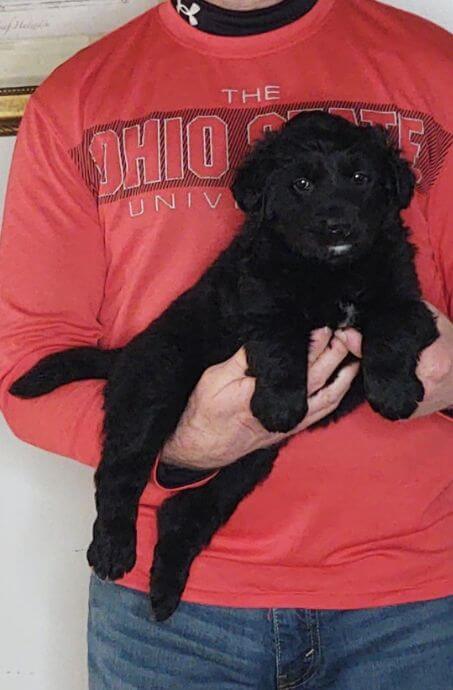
338 228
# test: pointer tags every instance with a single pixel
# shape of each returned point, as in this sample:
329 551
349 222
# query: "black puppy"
322 244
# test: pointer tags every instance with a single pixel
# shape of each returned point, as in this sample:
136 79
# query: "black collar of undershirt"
212 19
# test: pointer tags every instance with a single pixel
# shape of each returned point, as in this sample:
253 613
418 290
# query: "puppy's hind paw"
168 579
163 603
112 553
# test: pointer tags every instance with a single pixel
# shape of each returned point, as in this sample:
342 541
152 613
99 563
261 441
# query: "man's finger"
319 339
245 387
320 371
237 363
329 397
352 339
432 308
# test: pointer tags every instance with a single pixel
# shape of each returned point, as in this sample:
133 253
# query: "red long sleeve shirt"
118 200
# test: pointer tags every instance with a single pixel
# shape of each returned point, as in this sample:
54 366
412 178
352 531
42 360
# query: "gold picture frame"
24 64
12 105
39 35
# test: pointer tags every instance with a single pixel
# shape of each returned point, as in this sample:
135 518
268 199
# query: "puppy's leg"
120 481
144 400
279 359
188 521
392 343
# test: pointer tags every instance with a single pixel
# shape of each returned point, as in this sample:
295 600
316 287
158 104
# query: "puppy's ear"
251 177
404 180
401 183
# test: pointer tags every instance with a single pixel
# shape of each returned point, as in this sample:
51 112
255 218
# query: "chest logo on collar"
188 12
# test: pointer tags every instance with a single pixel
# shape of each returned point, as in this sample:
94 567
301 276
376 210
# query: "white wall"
46 511
439 11
6 152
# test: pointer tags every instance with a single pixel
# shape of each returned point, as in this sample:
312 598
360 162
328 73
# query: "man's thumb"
238 362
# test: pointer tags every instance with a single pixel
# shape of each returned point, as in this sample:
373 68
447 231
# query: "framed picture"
38 35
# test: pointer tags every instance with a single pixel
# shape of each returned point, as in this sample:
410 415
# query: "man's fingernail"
341 335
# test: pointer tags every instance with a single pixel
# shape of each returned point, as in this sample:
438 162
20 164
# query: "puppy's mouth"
338 249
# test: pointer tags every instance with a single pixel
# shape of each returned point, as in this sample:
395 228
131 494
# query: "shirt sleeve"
172 478
52 276
440 220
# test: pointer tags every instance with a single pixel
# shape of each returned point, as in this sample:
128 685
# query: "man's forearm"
68 421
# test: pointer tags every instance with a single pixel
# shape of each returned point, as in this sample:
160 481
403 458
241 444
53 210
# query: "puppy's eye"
302 185
360 178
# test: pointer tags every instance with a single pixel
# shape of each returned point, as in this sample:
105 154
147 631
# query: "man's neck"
243 5
241 17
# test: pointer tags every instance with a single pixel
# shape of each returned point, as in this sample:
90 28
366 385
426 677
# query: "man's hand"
217 426
435 369
435 366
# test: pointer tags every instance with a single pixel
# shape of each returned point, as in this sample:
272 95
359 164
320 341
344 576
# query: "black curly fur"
283 275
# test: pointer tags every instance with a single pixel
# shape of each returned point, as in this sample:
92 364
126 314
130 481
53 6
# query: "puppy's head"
326 186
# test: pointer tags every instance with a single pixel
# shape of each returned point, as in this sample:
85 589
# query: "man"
337 571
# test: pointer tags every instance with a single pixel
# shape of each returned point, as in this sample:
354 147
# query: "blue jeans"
402 647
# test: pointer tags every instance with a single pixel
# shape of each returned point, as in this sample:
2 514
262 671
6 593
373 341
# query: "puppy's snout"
338 229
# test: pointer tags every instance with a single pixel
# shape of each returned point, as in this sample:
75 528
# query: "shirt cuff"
173 478
447 414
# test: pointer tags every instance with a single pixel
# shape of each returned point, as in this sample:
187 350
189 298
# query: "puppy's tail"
64 367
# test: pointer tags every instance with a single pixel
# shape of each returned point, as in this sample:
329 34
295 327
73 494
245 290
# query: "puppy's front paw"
279 410
112 553
393 396
167 586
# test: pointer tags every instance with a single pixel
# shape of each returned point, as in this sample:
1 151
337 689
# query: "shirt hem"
314 600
